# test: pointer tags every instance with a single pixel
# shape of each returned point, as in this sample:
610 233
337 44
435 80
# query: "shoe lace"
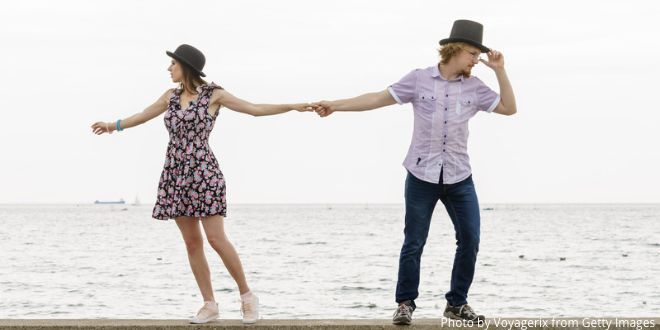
245 306
467 311
404 309
205 309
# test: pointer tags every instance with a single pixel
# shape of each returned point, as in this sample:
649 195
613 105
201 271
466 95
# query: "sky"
583 72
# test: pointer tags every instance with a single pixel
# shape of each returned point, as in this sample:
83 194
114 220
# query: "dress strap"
208 87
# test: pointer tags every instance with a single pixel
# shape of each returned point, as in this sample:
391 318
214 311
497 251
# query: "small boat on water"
120 201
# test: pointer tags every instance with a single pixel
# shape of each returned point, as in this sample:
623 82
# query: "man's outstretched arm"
363 102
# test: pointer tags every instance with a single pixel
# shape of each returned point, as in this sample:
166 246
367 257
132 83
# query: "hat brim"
182 60
481 47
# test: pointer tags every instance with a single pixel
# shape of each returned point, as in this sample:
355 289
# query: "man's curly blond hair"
451 49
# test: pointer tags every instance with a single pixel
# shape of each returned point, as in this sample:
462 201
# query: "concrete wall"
490 324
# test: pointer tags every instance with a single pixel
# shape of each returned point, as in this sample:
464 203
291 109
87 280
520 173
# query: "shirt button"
446 95
443 150
445 121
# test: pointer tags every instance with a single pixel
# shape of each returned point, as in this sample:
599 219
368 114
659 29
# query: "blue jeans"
460 200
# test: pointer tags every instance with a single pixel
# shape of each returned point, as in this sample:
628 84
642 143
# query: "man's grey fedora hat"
467 31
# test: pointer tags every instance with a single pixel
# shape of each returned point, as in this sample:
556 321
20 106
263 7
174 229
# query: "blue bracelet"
119 129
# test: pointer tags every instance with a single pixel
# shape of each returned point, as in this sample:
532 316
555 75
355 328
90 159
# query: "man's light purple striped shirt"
442 109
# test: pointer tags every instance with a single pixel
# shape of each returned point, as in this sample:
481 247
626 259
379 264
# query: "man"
444 97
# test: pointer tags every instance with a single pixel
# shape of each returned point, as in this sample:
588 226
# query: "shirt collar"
435 73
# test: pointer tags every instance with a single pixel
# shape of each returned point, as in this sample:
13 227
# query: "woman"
192 187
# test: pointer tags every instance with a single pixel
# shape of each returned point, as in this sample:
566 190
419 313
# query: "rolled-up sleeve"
403 91
487 98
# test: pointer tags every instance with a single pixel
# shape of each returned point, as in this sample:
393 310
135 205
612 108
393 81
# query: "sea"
328 262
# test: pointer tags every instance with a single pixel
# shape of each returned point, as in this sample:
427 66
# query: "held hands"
100 127
323 108
495 60
303 107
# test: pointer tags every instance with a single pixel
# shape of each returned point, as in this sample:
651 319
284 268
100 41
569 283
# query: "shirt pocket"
426 102
466 103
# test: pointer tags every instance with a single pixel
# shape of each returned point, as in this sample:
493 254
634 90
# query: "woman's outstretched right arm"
139 118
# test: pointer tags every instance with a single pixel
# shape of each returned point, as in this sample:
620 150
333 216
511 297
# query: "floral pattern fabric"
191 183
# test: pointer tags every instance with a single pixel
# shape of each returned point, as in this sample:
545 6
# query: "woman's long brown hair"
191 79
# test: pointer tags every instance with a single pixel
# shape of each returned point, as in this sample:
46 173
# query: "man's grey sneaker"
403 314
463 312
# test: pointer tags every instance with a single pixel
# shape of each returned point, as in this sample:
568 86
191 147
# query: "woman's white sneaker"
207 313
250 309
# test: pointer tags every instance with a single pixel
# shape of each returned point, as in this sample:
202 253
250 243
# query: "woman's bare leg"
215 234
192 236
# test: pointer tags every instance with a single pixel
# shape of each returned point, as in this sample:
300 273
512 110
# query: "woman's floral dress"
191 184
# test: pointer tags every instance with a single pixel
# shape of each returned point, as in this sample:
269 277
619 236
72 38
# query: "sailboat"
136 202
120 201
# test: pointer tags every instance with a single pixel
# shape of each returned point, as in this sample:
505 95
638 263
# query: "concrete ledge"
586 323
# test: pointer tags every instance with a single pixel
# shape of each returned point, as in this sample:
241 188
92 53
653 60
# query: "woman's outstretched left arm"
234 103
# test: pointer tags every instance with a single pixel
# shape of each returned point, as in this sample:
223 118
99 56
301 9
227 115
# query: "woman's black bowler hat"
189 56
469 32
